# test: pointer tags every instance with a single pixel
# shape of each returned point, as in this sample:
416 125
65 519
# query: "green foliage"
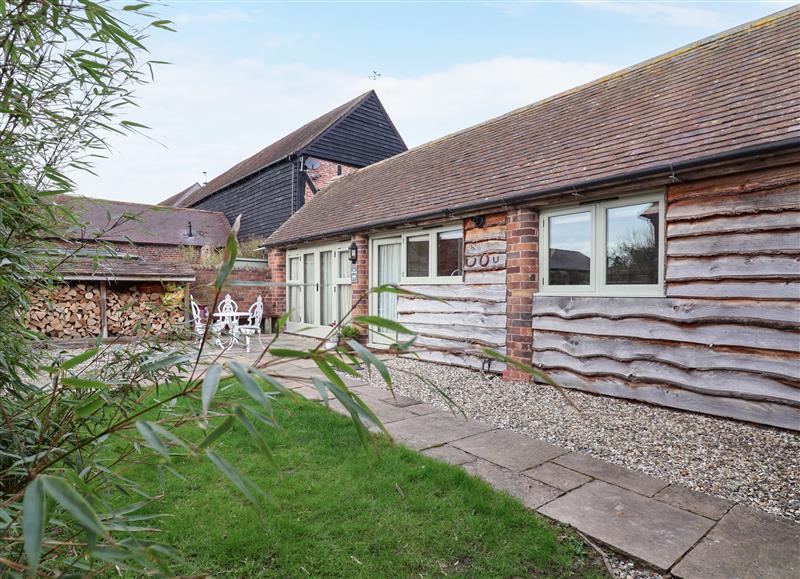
349 333
338 515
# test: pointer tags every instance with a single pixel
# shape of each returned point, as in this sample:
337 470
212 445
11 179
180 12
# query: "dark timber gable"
267 188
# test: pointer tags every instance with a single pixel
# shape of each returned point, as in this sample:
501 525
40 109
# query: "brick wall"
323 175
522 279
276 297
360 287
149 252
203 291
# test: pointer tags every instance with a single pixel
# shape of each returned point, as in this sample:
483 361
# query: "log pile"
139 311
66 312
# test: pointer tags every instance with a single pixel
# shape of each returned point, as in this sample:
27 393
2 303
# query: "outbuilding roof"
117 269
736 91
103 219
289 145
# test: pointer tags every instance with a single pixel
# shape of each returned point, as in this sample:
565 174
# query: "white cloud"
678 14
207 115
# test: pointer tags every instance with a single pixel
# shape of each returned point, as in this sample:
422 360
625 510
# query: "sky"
244 74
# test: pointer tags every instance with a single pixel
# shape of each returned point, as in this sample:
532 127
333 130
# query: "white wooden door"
385 269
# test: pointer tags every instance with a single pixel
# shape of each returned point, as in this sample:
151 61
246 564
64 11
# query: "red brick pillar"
361 283
522 278
276 296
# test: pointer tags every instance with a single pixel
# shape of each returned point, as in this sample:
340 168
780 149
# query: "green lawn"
338 514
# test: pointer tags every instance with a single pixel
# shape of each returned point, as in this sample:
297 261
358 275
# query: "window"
434 256
610 247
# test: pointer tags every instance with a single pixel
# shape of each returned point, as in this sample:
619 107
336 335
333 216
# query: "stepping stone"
557 476
449 454
532 493
385 396
696 502
510 449
309 392
649 530
433 430
628 479
745 544
422 409
385 412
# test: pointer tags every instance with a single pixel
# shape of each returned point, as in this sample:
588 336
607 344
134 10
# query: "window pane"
449 254
294 269
326 313
570 246
417 256
343 259
309 288
345 295
632 244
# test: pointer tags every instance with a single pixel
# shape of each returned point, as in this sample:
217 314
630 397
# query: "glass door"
385 269
316 289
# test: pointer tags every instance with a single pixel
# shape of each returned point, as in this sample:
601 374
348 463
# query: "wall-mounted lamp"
353 252
478 221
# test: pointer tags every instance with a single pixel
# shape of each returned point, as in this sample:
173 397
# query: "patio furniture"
200 326
227 310
253 326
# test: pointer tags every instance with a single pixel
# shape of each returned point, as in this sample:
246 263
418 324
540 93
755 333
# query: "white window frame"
314 327
597 273
432 233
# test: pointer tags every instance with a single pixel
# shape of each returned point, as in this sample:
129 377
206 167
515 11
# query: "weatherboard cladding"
364 136
264 200
731 92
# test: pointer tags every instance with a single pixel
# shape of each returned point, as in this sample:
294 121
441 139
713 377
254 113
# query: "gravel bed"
746 463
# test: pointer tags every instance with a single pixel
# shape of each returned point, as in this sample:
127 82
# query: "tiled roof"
145 223
735 91
288 145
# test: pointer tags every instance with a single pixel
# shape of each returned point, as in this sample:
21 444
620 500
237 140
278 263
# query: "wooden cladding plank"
462 360
453 345
485 277
689 356
456 318
407 305
647 328
490 337
733 267
759 178
769 413
776 242
485 262
669 309
771 200
480 248
713 382
482 293
739 223
475 235
775 290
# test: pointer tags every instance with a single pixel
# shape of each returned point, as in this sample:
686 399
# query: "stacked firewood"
138 311
66 311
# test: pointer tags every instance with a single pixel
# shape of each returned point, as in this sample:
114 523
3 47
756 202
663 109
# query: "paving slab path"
666 526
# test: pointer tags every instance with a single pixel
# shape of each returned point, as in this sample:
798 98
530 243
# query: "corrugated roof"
734 91
277 151
123 221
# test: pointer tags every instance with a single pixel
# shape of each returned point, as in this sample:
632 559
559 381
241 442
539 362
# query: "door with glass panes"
384 270
318 289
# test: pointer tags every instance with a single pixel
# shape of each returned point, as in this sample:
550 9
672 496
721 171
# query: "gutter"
667 168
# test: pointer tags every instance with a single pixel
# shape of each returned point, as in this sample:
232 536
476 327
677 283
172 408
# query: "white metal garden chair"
228 306
200 326
253 325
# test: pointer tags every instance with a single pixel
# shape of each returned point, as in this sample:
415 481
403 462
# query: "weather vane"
375 75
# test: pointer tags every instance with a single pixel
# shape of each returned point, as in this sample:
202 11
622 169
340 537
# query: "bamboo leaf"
33 522
210 386
79 359
229 257
244 485
251 386
151 438
217 432
73 503
83 383
90 407
382 323
254 433
371 359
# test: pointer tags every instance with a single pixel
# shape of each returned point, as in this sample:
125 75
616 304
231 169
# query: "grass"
336 512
